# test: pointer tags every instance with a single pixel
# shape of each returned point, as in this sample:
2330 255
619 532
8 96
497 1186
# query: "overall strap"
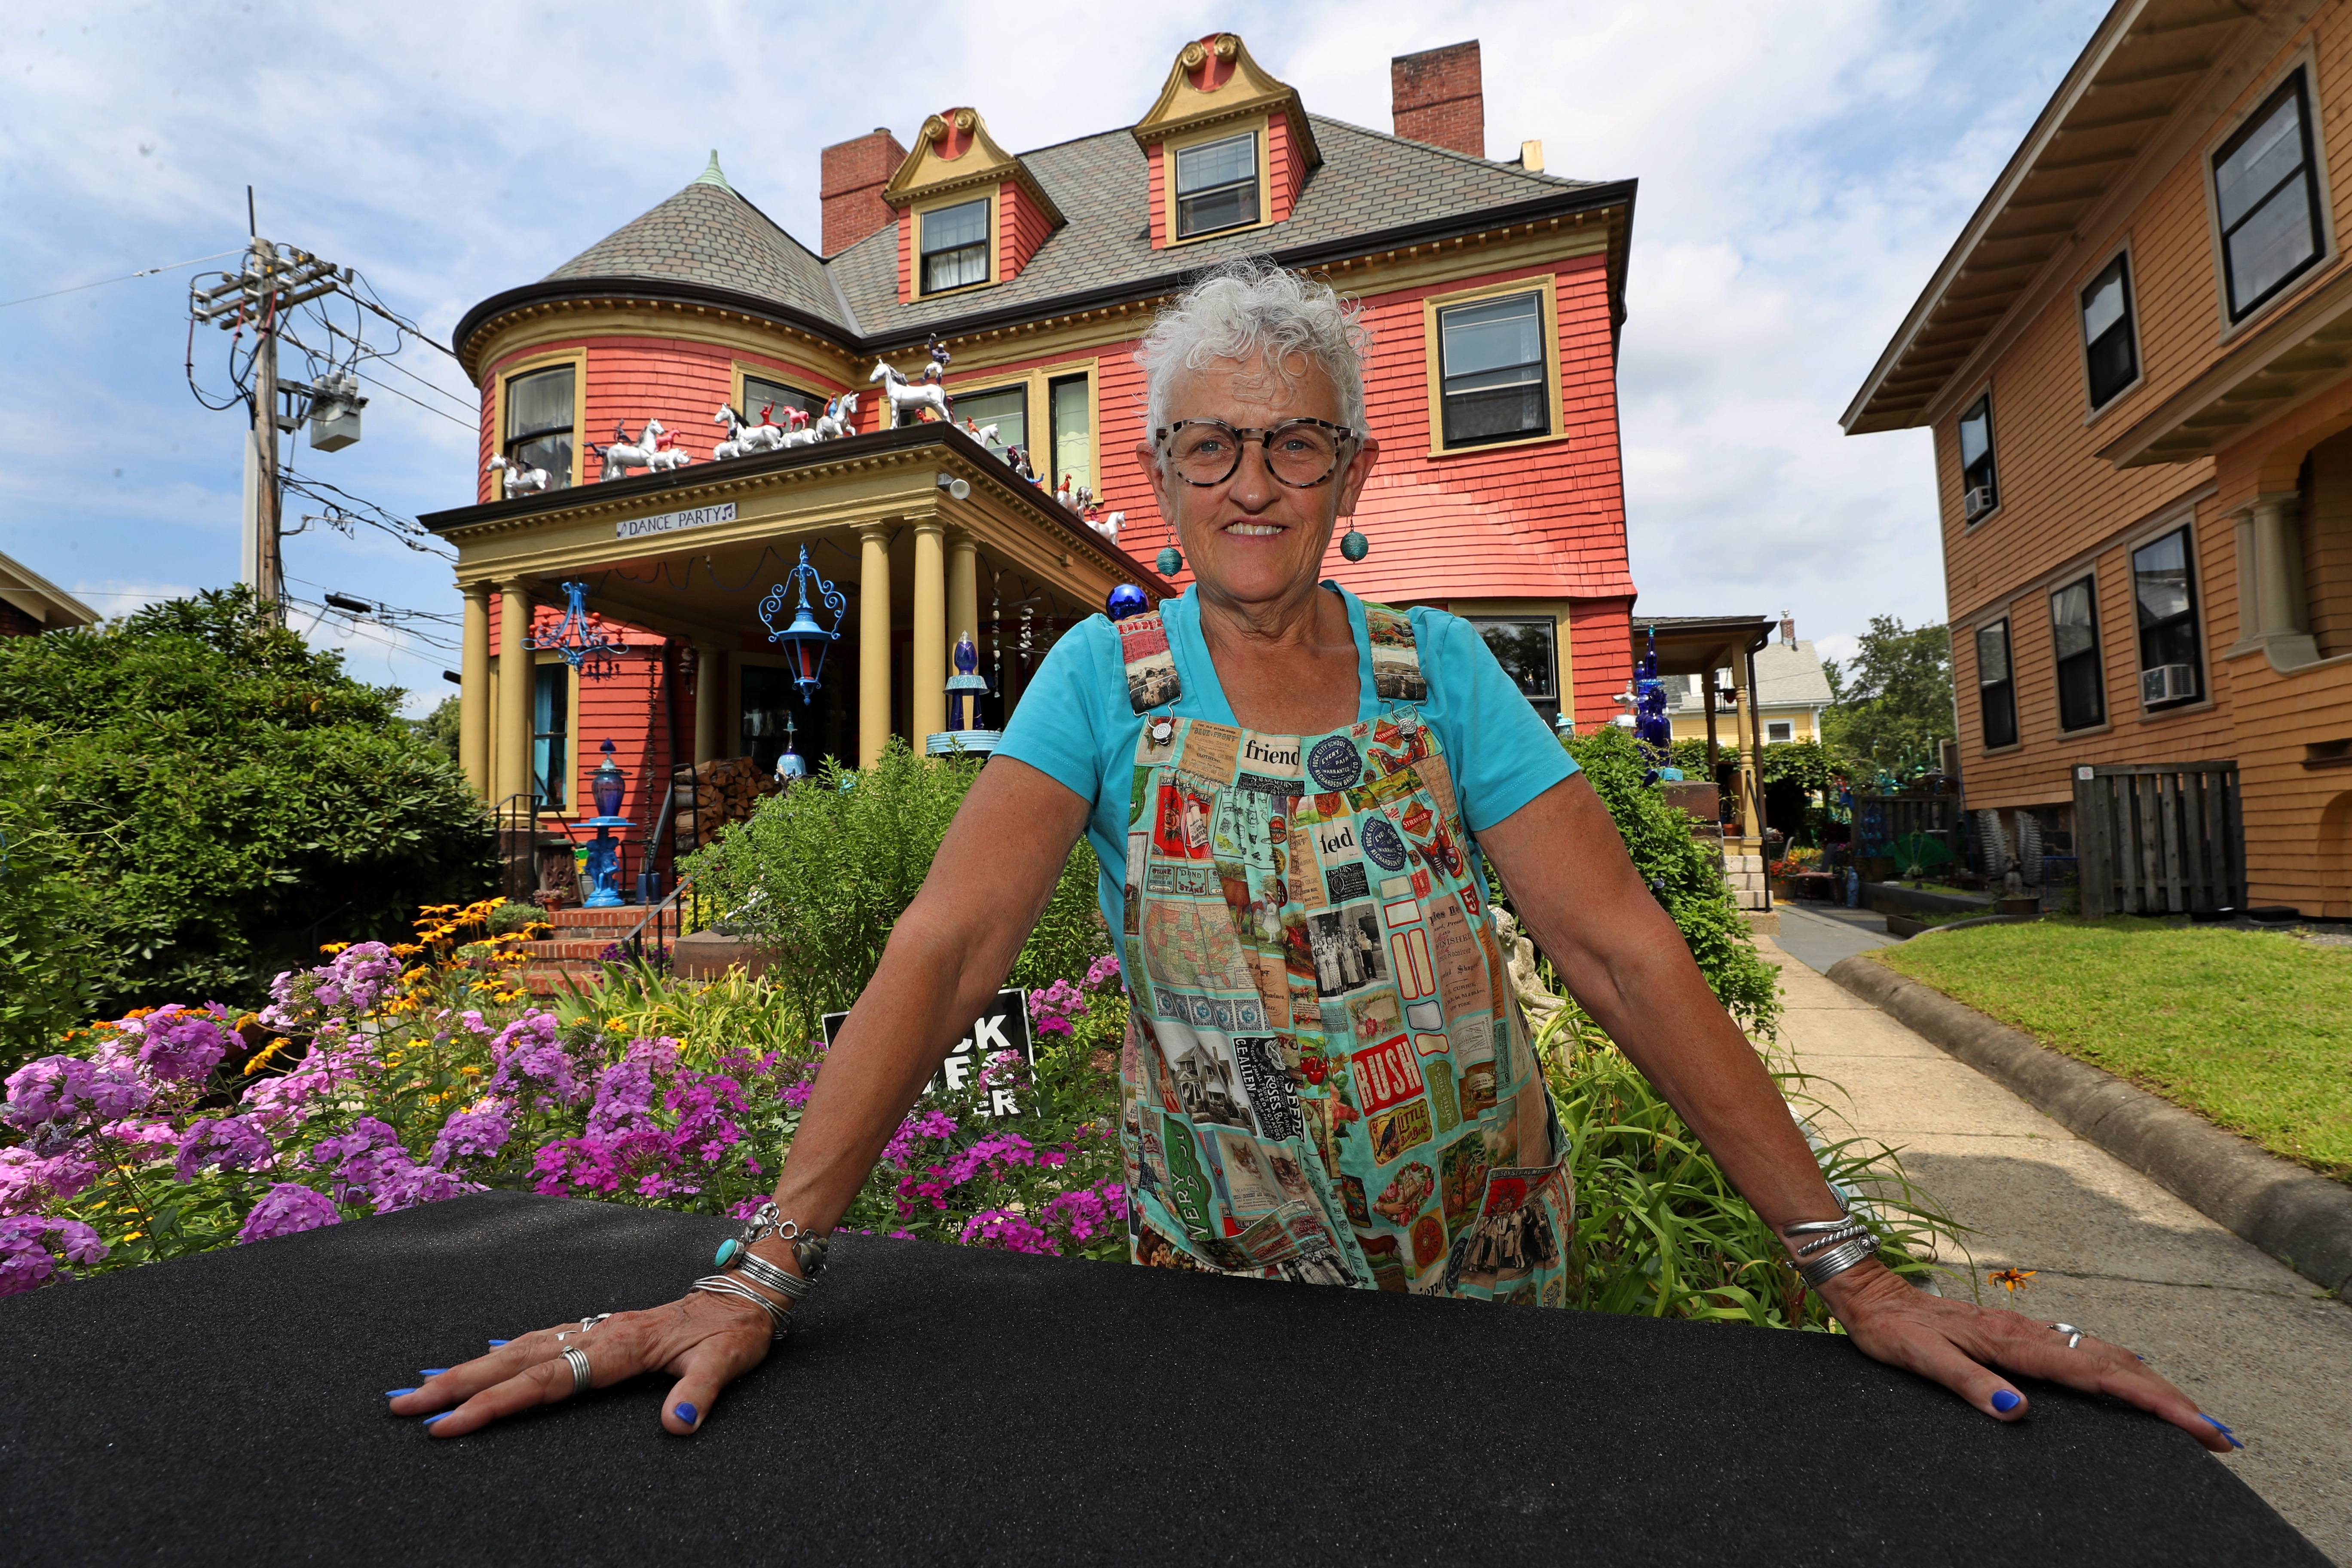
1149 665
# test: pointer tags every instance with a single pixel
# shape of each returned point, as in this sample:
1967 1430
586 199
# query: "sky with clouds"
1803 166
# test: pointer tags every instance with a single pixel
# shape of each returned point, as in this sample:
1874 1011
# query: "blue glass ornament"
1126 600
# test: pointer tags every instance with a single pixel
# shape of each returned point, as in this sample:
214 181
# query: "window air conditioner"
2167 683
1977 501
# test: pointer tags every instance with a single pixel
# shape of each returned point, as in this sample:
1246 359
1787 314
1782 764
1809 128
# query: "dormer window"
1216 186
955 245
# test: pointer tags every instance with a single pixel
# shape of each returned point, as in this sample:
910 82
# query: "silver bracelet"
763 1272
1846 1231
780 1321
808 1247
1838 1260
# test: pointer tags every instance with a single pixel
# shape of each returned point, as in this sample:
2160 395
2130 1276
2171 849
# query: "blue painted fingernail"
495 1343
430 1419
2005 1400
2222 1429
688 1414
396 1392
431 1371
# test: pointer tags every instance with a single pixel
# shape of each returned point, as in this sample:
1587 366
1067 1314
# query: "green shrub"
819 874
236 799
511 918
54 969
1683 875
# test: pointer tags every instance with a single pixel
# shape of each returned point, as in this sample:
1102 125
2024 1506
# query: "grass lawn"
2252 1030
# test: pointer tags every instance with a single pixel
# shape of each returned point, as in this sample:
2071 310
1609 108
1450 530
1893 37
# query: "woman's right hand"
703 1340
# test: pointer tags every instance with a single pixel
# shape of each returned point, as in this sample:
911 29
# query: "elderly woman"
1356 762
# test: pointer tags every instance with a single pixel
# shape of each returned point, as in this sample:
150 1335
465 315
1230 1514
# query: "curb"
2298 1216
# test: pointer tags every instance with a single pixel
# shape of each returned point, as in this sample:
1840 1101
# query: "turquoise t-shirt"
1074 725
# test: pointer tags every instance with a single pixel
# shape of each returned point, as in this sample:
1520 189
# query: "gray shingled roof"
1790 677
1368 181
709 234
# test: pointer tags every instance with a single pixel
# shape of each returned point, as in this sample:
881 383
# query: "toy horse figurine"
905 397
839 419
518 480
648 451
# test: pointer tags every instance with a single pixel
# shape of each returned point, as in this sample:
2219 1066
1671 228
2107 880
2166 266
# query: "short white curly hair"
1240 310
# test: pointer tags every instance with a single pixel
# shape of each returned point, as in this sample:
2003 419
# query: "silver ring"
588 1323
578 1361
2075 1336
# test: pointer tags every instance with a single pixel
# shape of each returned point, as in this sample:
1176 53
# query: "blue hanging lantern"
578 639
805 641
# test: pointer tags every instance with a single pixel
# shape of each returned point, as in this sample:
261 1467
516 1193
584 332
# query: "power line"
143 272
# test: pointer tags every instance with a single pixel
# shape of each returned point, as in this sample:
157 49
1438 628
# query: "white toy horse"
906 399
742 437
839 418
649 452
518 480
983 434
1108 527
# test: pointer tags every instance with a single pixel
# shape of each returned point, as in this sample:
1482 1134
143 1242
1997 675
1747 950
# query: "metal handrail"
664 917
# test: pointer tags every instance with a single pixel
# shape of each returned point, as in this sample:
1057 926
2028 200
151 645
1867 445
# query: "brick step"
584 948
622 918
558 977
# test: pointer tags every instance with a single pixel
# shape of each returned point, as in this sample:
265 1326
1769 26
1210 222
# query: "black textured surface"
951 1405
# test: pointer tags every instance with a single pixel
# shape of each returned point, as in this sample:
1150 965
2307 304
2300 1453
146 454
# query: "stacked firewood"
713 794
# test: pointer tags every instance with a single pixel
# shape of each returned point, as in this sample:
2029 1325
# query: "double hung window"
1491 374
1526 648
1996 688
2075 644
1073 434
955 245
1779 730
2266 197
1979 491
2164 597
1005 410
1216 186
539 433
2110 356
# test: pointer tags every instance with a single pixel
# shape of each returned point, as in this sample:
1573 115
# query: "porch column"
511 773
2273 614
963 603
709 687
873 643
474 694
929 648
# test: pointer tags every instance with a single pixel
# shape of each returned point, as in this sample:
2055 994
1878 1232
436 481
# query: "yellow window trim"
1256 124
994 196
577 358
1548 284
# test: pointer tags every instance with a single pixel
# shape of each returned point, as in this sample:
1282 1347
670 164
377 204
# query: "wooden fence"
2161 840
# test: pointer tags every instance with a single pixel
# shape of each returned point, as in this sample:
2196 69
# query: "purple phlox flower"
362 1158
407 1185
532 1063
1089 1212
747 1208
1103 971
142 1138
1003 1228
287 1207
234 1145
27 1262
351 986
472 1135
57 1088
181 1045
29 1181
1001 1068
1051 1010
596 1162
919 1126
797 1094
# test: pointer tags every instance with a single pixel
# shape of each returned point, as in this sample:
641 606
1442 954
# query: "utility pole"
271 280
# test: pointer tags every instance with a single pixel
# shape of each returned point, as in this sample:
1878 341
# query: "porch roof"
1701 645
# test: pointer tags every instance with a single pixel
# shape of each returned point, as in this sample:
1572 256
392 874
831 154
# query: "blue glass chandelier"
805 641
578 639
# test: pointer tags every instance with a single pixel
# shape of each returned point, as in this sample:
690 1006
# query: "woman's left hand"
1958 1344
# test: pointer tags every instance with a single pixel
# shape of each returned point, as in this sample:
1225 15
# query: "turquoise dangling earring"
1355 546
1170 560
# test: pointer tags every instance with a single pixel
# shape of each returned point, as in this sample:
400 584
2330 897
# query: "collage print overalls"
1327 1078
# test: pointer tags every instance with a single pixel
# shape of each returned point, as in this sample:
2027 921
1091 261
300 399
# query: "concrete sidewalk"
2249 1340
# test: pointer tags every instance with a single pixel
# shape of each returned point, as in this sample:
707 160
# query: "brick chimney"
1436 96
1788 629
850 186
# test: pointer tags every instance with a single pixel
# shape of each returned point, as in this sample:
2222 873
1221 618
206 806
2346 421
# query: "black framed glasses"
1301 453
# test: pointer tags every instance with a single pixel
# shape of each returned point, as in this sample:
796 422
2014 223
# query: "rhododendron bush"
393 1076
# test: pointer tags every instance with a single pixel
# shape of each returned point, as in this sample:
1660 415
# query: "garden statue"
604 850
964 683
518 480
1126 600
906 398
